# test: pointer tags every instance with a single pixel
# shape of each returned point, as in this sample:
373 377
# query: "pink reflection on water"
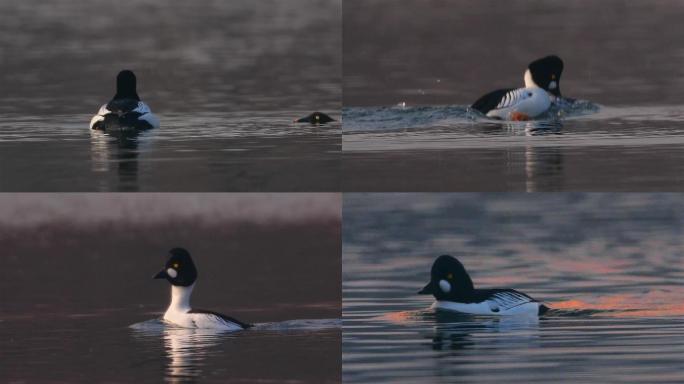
651 304
401 317
592 266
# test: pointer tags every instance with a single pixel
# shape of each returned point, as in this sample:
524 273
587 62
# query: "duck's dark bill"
161 275
427 290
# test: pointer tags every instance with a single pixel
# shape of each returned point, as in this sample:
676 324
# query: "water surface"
450 148
610 266
204 152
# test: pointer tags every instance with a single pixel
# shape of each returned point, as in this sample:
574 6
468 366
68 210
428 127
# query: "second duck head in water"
315 118
181 272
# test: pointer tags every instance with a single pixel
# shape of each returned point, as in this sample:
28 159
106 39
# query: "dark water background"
209 69
77 272
611 266
623 56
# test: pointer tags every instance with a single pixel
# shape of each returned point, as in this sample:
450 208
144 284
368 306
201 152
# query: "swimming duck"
542 88
181 272
125 111
454 291
315 118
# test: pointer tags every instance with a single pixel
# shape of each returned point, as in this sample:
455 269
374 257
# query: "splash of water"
403 117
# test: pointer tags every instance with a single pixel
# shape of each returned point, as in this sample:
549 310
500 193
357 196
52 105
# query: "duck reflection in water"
542 163
186 349
455 331
121 149
534 127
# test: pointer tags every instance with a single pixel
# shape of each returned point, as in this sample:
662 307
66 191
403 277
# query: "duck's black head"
315 118
448 279
546 73
126 86
179 269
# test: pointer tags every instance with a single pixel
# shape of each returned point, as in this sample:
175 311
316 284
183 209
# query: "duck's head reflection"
185 348
121 149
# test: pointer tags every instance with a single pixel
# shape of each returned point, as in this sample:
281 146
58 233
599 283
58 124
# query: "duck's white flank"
177 313
499 304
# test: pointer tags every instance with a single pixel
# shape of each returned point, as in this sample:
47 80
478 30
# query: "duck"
315 118
541 90
125 111
180 271
453 290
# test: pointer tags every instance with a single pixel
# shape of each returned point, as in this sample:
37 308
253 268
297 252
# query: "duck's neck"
529 82
180 298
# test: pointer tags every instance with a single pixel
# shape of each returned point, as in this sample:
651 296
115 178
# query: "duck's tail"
543 309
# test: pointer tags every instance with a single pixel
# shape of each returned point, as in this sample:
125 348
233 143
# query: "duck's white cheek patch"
172 272
445 286
552 85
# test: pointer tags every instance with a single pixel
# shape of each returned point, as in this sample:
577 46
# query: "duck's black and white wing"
491 100
506 299
512 98
210 319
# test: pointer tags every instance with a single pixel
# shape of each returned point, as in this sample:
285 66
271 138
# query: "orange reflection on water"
653 303
397 317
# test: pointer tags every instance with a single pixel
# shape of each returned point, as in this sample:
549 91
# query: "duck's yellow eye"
175 265
318 117
450 276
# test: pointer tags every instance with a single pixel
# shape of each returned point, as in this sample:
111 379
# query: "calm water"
246 151
225 78
429 54
610 266
79 303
